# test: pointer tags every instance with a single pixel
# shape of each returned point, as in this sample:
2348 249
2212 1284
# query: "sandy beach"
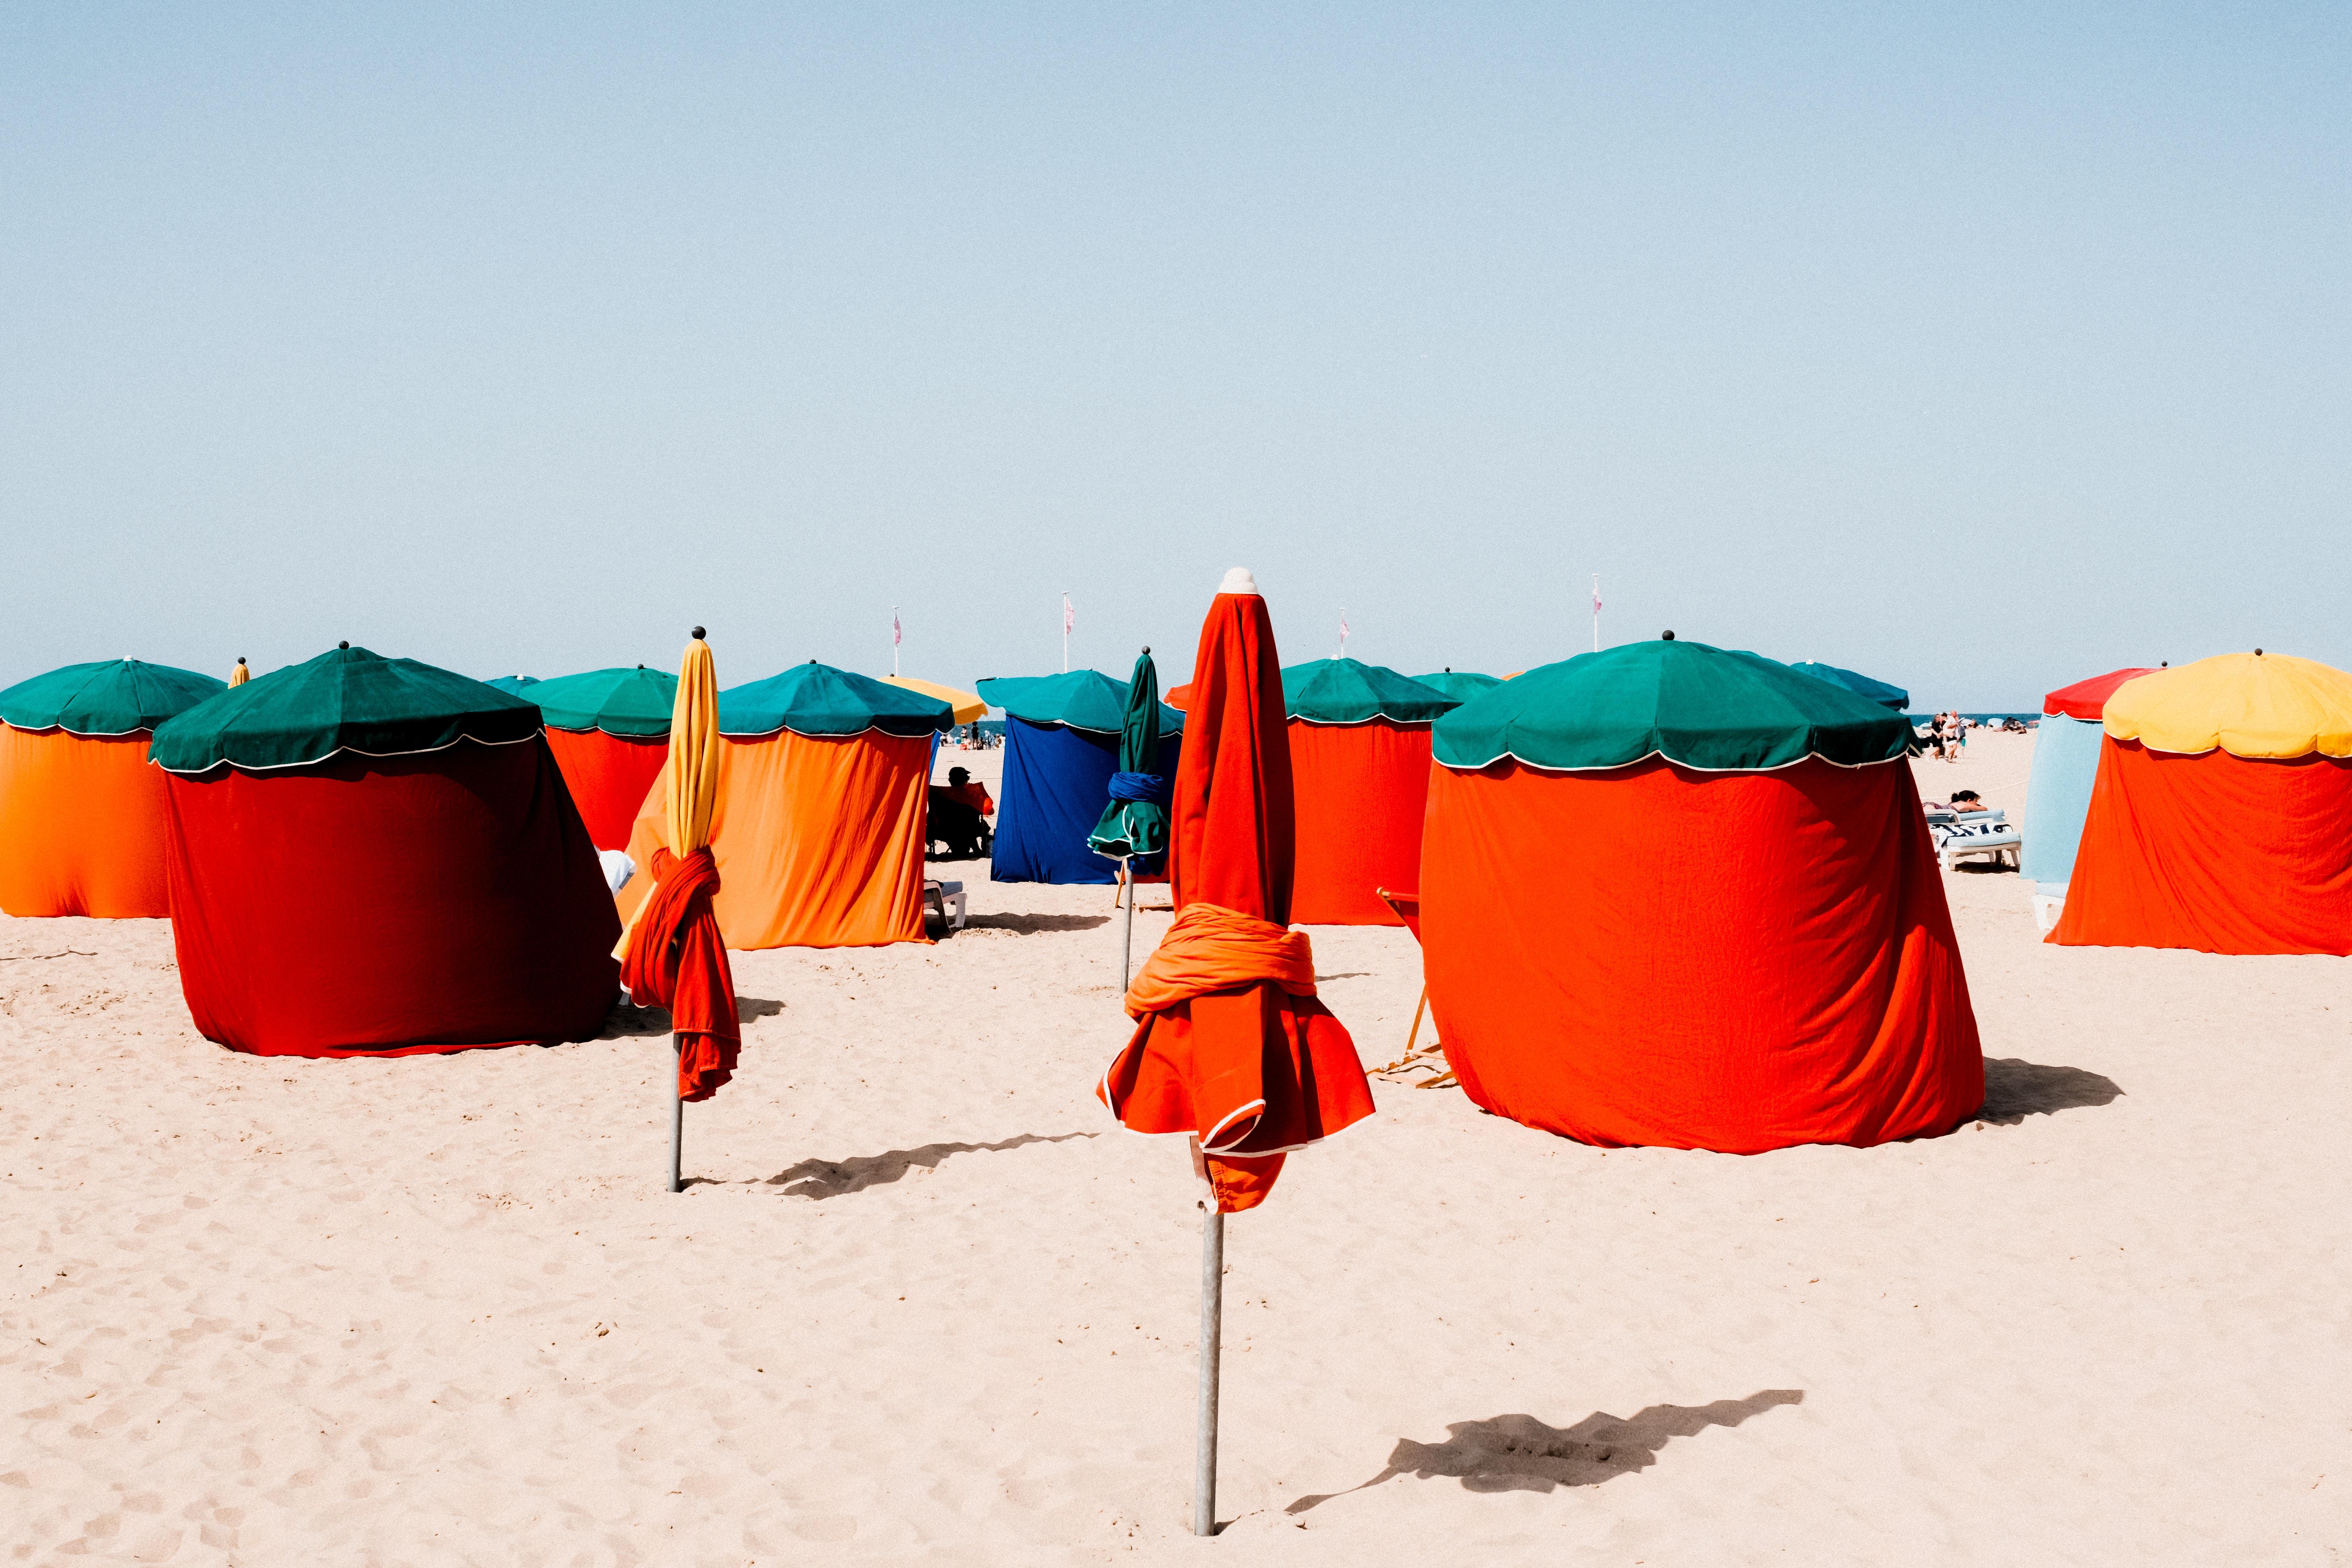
926 1301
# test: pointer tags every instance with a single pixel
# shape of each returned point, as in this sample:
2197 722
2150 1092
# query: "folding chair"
1408 909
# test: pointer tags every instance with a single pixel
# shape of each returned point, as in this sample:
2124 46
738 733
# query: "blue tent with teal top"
1061 747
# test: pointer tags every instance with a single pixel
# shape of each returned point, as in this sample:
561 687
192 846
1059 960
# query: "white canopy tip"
1238 581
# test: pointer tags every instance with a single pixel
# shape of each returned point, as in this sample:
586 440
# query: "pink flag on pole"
897 636
1069 616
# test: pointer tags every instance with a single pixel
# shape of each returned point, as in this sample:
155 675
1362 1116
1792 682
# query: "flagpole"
1066 631
894 636
1596 612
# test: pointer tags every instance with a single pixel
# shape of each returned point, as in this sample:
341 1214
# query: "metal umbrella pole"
1212 1299
676 1112
1127 933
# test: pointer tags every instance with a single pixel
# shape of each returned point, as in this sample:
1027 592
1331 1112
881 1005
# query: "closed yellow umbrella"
674 956
240 675
967 704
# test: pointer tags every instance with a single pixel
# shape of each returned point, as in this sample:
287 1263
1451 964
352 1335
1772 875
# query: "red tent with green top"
373 857
1360 765
1680 896
609 729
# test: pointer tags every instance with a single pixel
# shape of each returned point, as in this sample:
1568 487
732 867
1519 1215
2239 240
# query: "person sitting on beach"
963 786
1968 800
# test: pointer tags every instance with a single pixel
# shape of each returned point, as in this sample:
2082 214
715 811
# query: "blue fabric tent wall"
2057 799
1056 782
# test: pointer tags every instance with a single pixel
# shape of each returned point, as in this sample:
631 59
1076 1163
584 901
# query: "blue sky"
1975 347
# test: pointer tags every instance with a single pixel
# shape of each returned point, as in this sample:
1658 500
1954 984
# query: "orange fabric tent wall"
819 840
1655 956
608 776
81 825
2218 853
1361 791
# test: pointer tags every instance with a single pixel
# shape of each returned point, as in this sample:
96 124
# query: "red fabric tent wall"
1360 793
608 776
2213 852
81 825
385 906
1656 955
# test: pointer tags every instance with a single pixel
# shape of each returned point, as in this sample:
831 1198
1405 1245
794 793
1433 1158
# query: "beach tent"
2066 745
1360 772
512 684
1878 691
609 729
371 856
81 814
1061 746
1459 684
2221 817
1678 896
818 832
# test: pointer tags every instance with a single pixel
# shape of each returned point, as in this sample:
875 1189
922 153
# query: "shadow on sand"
627 1021
2016 1089
1520 1454
822 1179
1031 925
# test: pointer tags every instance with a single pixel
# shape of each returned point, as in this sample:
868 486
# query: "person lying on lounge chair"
1968 800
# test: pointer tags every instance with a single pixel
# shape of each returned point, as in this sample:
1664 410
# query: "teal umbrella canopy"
1350 691
345 699
511 685
1080 699
1459 684
1705 707
623 701
815 699
1136 820
111 697
1878 691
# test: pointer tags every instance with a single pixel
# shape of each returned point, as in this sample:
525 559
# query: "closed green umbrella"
1136 820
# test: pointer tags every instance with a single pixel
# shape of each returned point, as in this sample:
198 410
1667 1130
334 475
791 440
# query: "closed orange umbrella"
674 956
1231 1044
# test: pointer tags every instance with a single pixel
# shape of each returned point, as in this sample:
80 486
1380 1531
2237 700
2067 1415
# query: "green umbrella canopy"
511 685
1350 691
815 699
345 699
1459 684
1080 699
1878 691
618 701
112 697
1703 706
1136 820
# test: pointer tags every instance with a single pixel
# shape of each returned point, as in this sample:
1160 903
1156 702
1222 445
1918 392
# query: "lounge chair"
1979 833
1407 907
939 896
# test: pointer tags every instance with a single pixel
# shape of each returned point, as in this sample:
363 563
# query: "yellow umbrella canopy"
2248 704
693 751
967 705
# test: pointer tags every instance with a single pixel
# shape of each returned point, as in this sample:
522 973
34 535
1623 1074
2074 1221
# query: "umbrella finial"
1669 636
1238 581
1147 647
698 634
2258 653
345 643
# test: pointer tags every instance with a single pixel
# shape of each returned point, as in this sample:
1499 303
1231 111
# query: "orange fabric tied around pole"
675 960
1231 1044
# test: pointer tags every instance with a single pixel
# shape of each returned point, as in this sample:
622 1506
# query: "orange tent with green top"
2221 817
81 814
818 828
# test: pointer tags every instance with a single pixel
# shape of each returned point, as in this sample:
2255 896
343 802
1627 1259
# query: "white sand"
926 1303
